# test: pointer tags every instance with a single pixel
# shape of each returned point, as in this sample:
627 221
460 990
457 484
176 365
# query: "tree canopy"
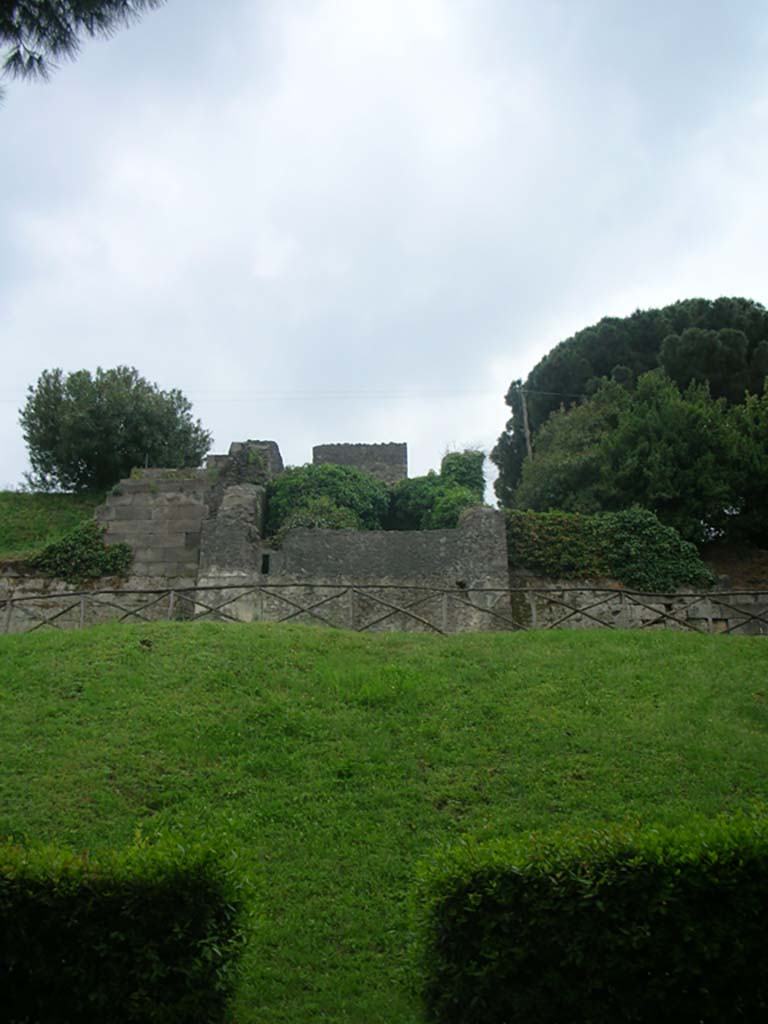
722 342
325 495
699 464
339 497
86 432
436 501
39 33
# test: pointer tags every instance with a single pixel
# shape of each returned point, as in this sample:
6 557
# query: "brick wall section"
387 462
161 519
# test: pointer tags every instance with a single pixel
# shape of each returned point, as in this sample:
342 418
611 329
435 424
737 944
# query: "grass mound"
331 763
30 522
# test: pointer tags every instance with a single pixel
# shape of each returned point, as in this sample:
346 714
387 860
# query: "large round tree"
86 431
720 342
653 446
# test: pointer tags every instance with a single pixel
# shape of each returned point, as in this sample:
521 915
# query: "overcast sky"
358 220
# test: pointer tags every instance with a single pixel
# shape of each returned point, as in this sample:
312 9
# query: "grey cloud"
396 198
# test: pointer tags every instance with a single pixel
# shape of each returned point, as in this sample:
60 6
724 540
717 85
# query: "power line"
553 394
310 396
243 395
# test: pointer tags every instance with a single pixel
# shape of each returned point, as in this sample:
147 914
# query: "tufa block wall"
387 462
206 527
234 520
159 513
471 555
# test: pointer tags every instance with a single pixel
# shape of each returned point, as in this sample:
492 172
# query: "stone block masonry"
387 462
200 550
474 554
374 579
160 515
234 522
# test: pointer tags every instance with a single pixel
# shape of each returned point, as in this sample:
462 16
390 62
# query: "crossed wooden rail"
548 608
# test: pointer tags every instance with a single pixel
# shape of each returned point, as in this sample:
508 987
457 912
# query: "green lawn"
28 522
331 762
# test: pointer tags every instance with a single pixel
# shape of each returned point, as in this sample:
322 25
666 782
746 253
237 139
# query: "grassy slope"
30 521
333 761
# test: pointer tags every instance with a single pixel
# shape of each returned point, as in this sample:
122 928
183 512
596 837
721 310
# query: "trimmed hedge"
630 546
655 927
150 935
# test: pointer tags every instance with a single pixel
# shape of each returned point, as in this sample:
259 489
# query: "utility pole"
526 427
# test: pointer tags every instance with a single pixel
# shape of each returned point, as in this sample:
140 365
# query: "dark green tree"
668 451
729 350
86 432
568 471
509 453
749 519
37 34
721 359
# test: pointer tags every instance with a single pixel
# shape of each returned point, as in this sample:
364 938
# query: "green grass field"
30 521
331 762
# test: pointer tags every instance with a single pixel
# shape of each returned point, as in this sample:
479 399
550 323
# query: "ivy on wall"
82 555
630 546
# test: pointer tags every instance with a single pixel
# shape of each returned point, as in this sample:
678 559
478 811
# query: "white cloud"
374 199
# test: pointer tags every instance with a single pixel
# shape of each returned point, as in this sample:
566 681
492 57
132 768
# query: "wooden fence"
369 607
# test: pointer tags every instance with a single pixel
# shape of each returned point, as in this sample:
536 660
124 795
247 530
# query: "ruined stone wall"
387 462
475 552
159 513
231 537
541 603
234 522
375 580
181 521
30 602
197 534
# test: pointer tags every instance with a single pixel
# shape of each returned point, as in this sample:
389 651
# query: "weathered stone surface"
257 461
473 553
205 527
387 462
156 512
26 601
33 602
231 536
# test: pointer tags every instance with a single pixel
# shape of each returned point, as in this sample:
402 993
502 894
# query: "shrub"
448 506
319 513
435 501
610 927
82 555
560 544
630 546
466 470
345 486
649 555
413 499
151 935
